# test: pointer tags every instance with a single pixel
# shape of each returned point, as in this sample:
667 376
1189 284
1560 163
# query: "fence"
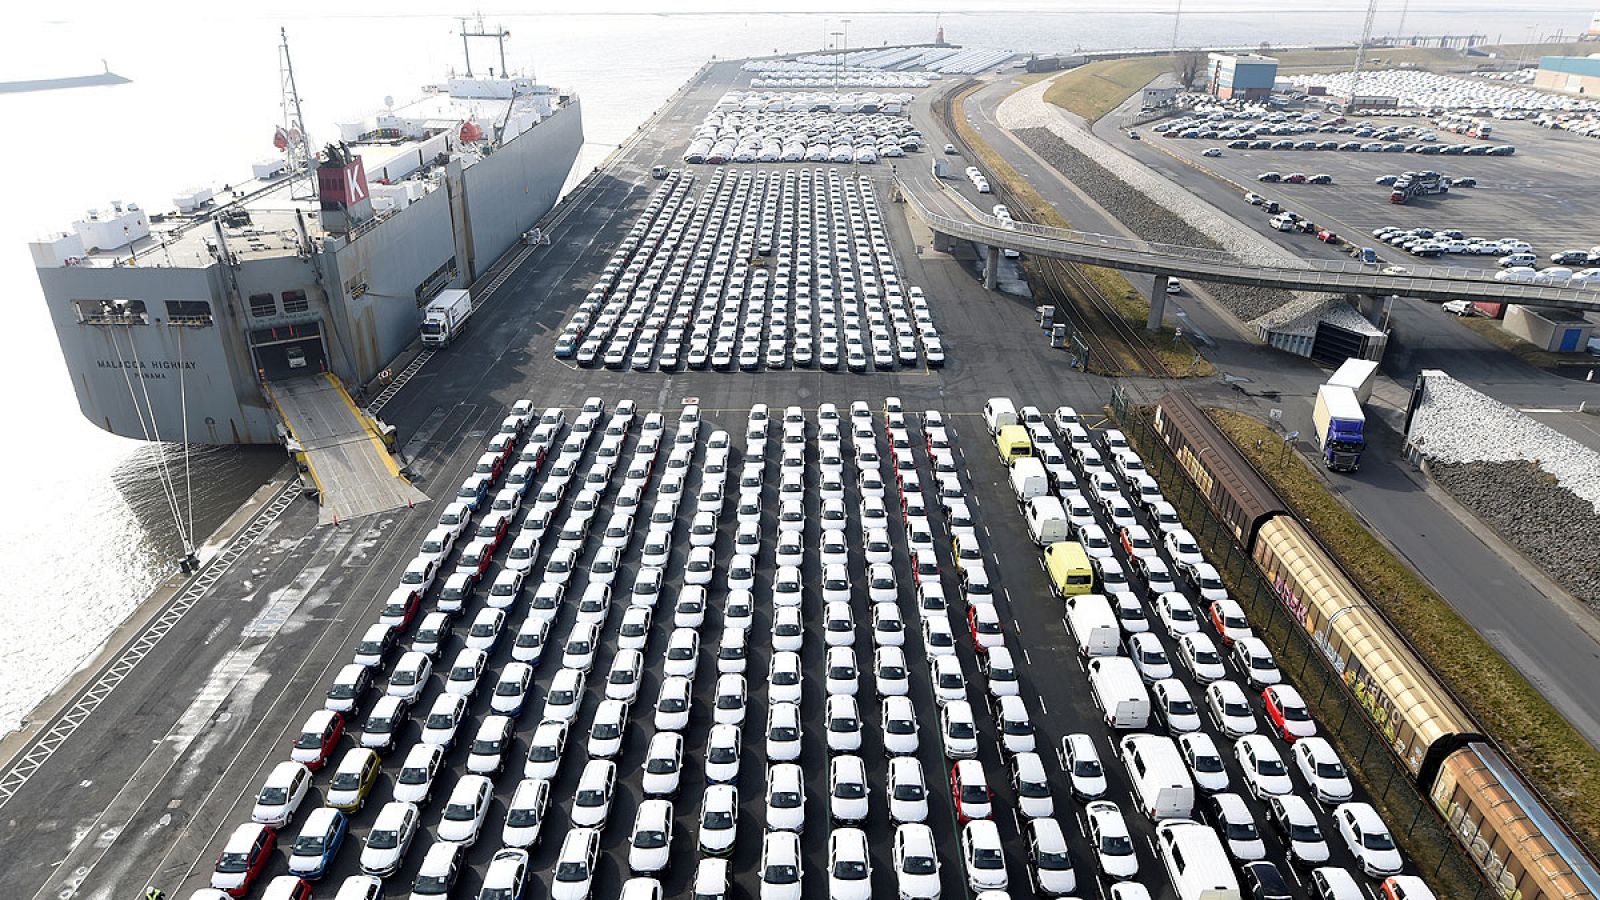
1427 839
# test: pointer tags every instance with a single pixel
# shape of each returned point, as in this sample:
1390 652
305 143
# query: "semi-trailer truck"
1357 375
1340 426
445 316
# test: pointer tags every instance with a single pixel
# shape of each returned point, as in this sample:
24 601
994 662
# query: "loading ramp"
342 448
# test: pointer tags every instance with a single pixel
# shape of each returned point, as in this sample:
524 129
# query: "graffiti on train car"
1494 866
1291 599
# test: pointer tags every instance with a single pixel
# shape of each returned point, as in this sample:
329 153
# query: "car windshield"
1330 770
1236 709
274 796
522 817
606 730
780 874
233 862
311 740
1377 840
544 753
650 840
497 894
1208 657
1270 766
661 765
1205 762
1033 788
987 858
592 797
850 869
1296 714
785 799
1053 860
413 775
345 781
1242 831
1180 706
572 871
461 812
1087 768
383 840
308 845
441 720
1116 845
960 728
1308 831
717 820
431 884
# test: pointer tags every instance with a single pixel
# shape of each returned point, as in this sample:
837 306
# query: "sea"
86 529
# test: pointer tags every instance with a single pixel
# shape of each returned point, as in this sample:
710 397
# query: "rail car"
1518 843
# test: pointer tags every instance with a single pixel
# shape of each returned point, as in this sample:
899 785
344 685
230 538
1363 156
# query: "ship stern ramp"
341 448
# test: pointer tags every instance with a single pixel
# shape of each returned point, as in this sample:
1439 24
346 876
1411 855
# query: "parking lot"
816 479
1536 195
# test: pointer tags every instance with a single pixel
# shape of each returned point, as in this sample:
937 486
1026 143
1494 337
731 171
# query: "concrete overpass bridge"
950 215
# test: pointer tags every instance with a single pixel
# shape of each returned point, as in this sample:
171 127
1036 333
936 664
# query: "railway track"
1110 339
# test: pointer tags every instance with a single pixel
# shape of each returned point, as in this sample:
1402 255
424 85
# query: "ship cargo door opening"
289 351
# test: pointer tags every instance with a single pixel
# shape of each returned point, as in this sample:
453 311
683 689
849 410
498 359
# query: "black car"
1265 882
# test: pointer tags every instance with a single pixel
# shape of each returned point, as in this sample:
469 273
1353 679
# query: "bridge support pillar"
943 243
1158 303
1371 308
991 268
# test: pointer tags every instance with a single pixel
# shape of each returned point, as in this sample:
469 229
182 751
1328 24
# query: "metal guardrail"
948 212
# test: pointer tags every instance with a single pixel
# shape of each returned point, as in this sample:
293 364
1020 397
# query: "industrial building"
1556 330
1246 76
1571 74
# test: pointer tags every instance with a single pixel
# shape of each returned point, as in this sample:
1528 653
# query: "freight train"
1512 836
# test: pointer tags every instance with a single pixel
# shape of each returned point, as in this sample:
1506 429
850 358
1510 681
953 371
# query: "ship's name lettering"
145 364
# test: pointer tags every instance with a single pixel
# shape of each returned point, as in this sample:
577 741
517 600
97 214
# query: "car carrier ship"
314 267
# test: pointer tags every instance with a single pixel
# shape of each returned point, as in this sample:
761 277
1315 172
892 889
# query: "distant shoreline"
57 84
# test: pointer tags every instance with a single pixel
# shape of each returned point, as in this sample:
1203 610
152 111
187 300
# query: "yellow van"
1013 443
1068 568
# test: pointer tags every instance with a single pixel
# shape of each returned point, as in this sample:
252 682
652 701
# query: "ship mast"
296 143
499 34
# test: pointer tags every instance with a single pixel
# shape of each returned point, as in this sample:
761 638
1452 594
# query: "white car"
1229 709
609 729
1199 655
1149 657
983 856
1113 846
495 735
787 589
1031 786
701 565
728 707
1264 771
786 798
733 649
780 866
1297 823
525 815
703 529
907 790
390 837
1015 725
783 732
847 789
1253 658
901 735
890 674
683 653
591 803
1174 707
443 721
690 610
1176 614
719 820
545 750
414 784
849 865
466 810
937 637
835 584
1049 859
784 679
1369 839
583 643
281 794
882 586
1082 763
1229 815
528 646
1319 764
562 701
1200 754
1182 548
634 633
650 847
841 676
959 730
722 754
839 625
842 719
788 629
622 683
663 765
575 865
916 862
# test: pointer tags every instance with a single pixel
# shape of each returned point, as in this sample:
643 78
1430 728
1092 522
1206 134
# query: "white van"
1161 782
1093 625
1119 692
1196 863
998 413
1047 519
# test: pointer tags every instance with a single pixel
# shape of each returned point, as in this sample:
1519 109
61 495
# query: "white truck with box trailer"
1357 375
445 316
1093 625
1119 692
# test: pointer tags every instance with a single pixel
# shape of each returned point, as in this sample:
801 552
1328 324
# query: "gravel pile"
1456 424
1551 525
1150 220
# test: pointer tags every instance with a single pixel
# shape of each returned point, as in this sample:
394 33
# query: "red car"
969 789
402 606
1287 713
319 737
1294 178
1327 237
243 858
287 887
